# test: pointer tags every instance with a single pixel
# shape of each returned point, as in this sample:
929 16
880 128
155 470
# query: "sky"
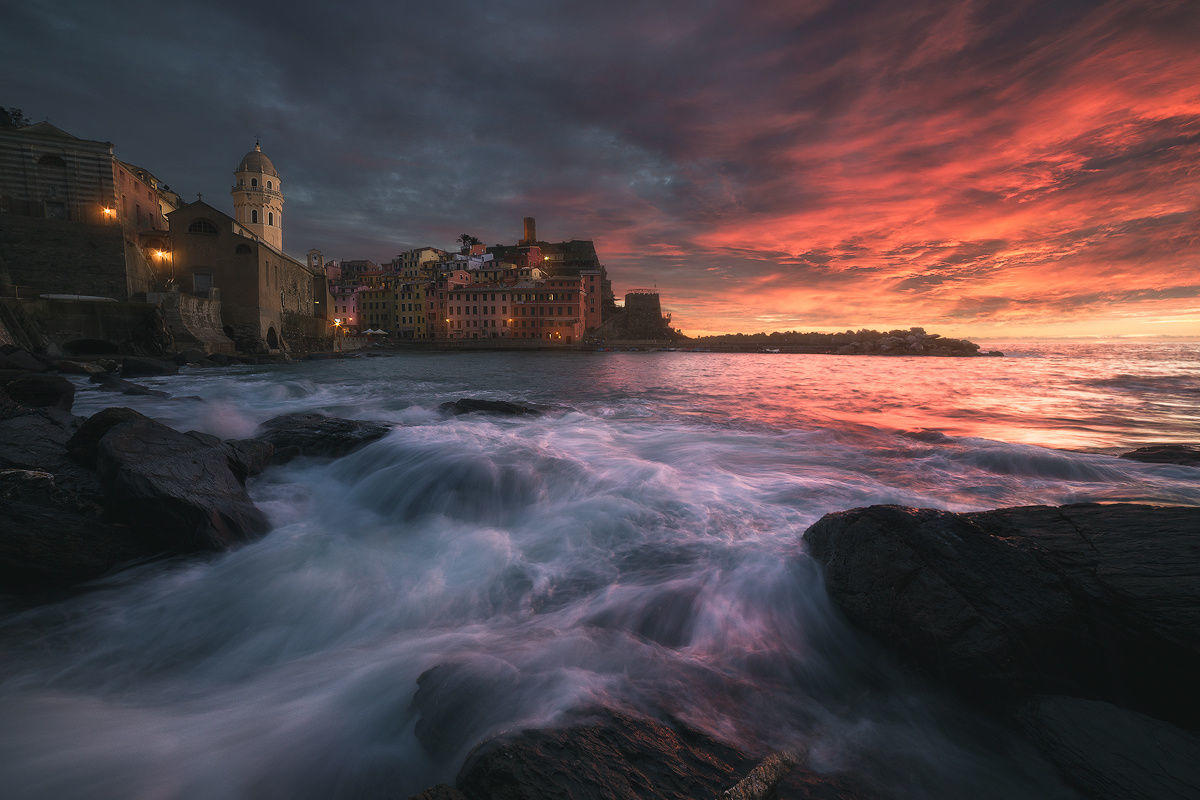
990 169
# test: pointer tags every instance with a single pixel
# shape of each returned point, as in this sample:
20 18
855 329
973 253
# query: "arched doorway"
272 338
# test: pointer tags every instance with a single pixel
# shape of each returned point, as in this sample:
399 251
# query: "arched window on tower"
268 184
254 181
254 215
270 218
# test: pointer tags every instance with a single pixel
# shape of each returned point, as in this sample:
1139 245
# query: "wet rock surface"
1097 605
317 435
1113 752
471 405
1184 454
616 755
157 478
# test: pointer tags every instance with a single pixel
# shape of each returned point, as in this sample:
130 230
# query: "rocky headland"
910 342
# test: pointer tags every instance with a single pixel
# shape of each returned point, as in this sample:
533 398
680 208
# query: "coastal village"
98 254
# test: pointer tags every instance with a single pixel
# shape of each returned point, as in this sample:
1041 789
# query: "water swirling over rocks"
634 548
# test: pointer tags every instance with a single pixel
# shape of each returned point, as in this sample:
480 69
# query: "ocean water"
637 546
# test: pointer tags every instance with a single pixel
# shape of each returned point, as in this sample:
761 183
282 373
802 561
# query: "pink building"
345 305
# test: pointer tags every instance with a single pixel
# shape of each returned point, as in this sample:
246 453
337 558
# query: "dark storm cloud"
898 161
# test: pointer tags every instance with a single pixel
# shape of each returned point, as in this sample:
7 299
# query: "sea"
637 546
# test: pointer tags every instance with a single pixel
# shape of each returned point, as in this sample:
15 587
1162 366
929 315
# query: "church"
270 302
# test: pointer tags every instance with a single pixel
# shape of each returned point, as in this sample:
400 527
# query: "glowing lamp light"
108 212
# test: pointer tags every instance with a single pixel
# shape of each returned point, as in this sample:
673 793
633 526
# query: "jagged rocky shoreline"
1076 626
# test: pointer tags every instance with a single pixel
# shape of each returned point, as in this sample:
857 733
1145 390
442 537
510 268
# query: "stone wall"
194 322
305 334
50 256
132 327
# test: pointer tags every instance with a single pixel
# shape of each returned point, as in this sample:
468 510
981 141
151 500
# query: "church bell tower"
258 197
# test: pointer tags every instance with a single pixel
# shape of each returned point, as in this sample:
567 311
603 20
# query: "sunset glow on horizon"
979 168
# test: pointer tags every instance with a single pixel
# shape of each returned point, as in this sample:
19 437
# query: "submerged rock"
112 383
1089 600
311 434
1166 454
472 405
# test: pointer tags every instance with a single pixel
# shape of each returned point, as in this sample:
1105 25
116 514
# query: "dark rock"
310 434
440 792
1109 752
91 347
471 405
138 367
112 383
22 360
455 699
605 754
1166 454
1084 600
53 537
42 391
179 489
36 440
190 357
81 446
611 755
78 367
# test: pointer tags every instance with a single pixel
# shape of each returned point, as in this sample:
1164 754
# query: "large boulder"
312 434
42 391
1085 600
474 405
139 367
1166 454
179 490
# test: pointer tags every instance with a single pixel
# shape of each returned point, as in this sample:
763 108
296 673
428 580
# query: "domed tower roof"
256 161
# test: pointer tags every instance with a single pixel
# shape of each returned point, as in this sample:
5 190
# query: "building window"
268 184
254 215
270 217
202 282
254 181
204 226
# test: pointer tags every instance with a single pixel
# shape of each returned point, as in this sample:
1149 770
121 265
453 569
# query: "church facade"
270 302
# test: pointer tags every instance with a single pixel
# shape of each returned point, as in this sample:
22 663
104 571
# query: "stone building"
71 216
566 259
269 300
